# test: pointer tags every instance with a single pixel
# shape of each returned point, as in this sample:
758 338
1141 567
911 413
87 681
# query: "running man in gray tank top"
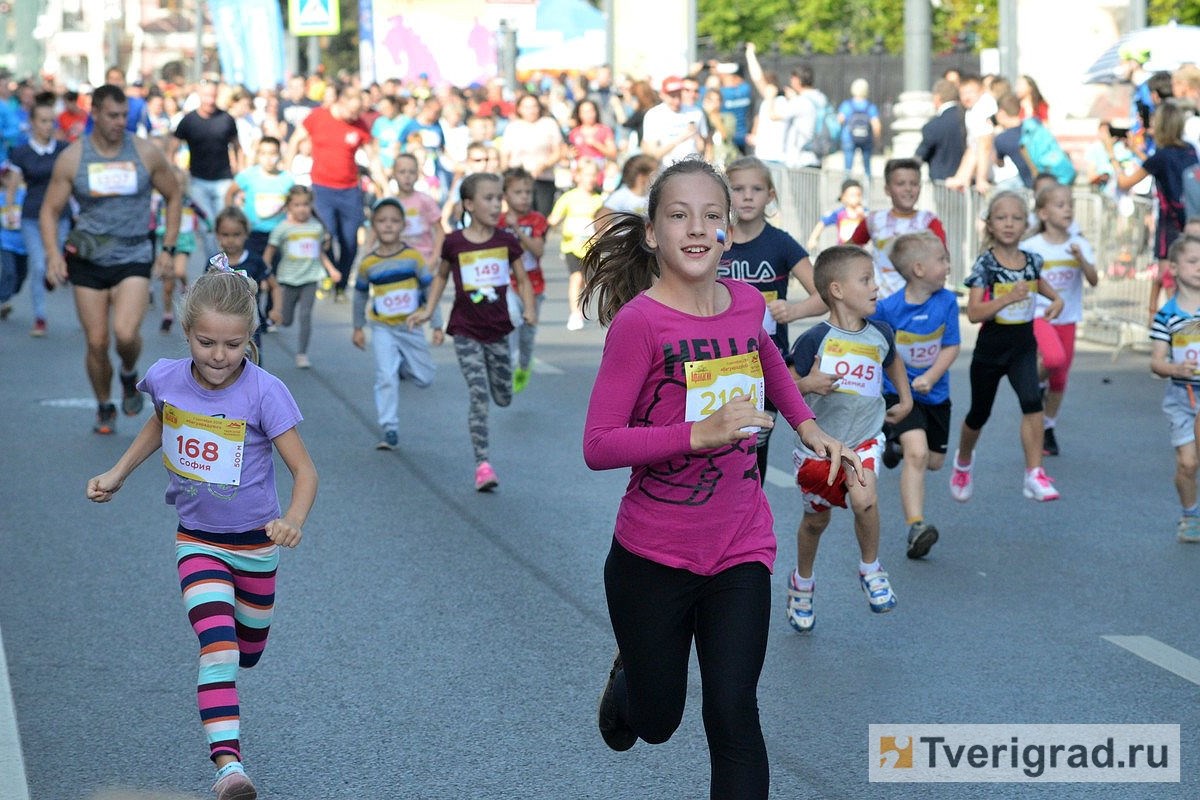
108 256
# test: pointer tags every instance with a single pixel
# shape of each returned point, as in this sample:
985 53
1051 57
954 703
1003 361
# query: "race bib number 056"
202 448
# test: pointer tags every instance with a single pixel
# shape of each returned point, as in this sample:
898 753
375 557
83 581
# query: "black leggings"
1014 355
656 611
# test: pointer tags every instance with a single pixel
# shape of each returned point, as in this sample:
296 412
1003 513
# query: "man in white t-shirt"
975 168
671 133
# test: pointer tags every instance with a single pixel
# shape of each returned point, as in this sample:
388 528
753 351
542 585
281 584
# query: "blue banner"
249 42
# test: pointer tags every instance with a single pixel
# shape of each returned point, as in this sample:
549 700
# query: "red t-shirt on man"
334 145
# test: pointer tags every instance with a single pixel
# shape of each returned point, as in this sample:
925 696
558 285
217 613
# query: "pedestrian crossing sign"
314 18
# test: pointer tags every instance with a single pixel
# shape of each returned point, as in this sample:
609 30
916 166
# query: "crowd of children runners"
676 257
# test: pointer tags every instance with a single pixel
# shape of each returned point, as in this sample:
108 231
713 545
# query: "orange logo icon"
896 752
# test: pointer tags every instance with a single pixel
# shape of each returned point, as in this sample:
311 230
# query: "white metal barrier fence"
1116 312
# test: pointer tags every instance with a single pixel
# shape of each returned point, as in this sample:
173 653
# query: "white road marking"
13 785
1160 655
69 402
540 367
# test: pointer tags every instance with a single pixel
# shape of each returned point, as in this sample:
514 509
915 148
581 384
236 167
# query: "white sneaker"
302 361
960 480
878 589
1038 486
575 322
1188 529
799 606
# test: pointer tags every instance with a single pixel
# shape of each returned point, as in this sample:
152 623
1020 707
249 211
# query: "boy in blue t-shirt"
14 258
264 189
924 316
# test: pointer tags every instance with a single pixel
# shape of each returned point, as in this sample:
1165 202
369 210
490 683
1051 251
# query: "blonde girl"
219 419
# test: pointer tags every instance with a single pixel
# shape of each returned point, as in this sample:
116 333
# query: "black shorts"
933 419
93 276
573 263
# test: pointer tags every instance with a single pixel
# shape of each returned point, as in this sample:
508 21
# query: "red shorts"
812 475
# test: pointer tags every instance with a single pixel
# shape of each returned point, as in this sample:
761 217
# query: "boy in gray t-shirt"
839 367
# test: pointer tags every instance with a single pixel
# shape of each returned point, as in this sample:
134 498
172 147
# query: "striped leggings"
487 368
228 585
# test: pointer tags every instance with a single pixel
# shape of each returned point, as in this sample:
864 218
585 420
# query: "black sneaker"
165 326
131 398
106 419
1049 443
892 453
616 732
921 538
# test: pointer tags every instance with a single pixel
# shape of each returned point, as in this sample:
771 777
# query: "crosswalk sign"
314 17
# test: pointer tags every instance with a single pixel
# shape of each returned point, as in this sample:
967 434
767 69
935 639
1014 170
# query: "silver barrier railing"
1116 312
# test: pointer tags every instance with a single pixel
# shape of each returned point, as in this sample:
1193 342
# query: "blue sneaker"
878 590
390 440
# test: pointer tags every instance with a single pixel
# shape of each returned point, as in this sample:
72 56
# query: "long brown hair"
619 264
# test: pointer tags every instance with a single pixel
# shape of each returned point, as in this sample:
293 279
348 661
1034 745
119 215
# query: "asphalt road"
430 642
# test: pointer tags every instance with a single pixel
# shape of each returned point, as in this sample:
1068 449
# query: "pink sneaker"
235 786
1038 486
485 478
960 480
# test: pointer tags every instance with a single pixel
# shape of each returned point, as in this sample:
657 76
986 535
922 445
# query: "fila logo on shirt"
743 271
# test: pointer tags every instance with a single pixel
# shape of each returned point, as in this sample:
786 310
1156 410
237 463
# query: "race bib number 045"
202 448
713 383
856 365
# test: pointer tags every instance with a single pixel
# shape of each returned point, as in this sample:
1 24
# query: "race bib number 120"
201 448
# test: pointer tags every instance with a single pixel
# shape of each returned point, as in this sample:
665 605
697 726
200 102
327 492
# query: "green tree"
1185 12
824 25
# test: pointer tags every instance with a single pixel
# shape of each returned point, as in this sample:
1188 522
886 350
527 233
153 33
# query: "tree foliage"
858 26
1160 12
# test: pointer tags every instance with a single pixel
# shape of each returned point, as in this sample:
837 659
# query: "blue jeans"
32 235
13 267
210 197
341 212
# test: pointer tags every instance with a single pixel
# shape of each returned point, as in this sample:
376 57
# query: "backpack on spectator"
1044 154
1191 192
859 125
826 131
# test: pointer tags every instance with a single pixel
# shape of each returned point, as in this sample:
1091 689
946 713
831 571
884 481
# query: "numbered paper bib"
1184 348
12 218
267 205
484 268
857 366
201 448
769 324
111 178
414 223
187 221
1062 275
713 383
306 247
395 301
919 349
1019 312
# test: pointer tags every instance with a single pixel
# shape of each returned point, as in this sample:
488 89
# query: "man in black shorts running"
108 255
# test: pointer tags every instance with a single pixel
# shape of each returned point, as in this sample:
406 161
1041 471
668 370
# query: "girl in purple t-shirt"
217 418
679 398
481 257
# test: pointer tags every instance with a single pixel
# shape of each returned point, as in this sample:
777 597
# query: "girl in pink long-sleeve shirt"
679 399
